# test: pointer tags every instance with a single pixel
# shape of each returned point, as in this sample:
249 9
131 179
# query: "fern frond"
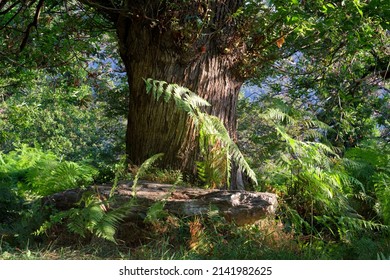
91 217
47 177
212 133
143 168
278 116
216 127
107 225
381 256
156 212
322 148
195 100
185 99
382 190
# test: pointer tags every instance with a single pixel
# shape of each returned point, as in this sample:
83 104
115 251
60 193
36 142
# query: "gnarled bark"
191 43
201 65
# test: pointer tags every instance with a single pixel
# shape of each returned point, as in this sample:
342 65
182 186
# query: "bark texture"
151 49
191 43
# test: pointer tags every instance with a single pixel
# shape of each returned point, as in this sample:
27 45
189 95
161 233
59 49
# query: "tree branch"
106 8
12 18
2 5
34 23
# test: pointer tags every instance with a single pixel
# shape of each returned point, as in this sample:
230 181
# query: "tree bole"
198 63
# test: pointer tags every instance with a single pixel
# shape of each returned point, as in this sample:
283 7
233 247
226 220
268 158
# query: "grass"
199 238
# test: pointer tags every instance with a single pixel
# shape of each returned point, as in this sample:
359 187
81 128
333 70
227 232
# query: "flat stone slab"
240 207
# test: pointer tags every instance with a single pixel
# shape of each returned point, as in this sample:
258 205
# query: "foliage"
317 136
369 162
18 229
345 86
316 109
27 174
66 97
169 239
121 172
164 176
381 256
33 171
307 173
46 179
92 216
66 120
156 212
218 149
215 143
143 169
382 189
214 170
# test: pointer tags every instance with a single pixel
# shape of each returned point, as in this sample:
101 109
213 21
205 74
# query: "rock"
240 207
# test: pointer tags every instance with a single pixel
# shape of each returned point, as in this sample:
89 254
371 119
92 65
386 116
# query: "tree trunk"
203 66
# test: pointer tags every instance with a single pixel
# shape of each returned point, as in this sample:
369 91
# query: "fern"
121 171
143 168
184 99
370 164
217 148
316 188
382 189
92 216
50 177
381 256
156 212
37 172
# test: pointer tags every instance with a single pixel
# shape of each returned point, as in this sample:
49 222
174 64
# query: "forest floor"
199 239
208 236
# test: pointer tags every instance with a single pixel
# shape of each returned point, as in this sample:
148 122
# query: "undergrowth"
202 237
26 175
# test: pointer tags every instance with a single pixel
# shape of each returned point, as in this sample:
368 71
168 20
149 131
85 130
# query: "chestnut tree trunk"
192 44
206 66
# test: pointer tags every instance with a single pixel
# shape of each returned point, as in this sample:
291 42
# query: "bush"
318 189
31 171
73 122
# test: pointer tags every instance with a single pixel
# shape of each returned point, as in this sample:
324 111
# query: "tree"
347 85
179 42
210 47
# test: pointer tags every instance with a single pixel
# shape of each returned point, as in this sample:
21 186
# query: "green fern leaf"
212 133
143 168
